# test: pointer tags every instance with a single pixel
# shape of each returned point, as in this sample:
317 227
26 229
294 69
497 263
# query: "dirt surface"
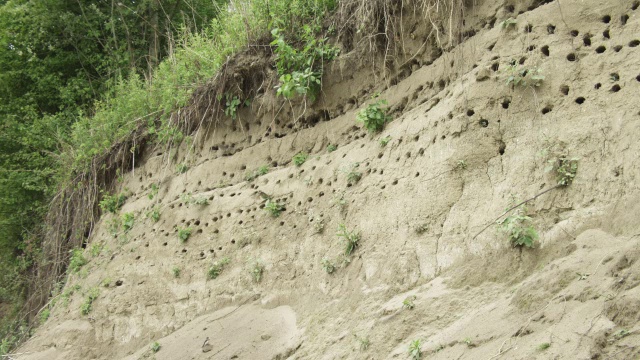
462 146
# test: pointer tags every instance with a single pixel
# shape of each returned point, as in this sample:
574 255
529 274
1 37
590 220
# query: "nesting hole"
545 50
580 100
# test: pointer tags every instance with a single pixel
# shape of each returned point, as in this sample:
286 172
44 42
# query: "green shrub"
300 158
155 347
262 170
353 176
565 169
519 229
256 270
519 75
351 238
332 147
153 192
328 266
87 304
408 303
176 272
182 168
374 116
154 214
231 106
414 349
112 203
217 267
128 220
274 208
77 260
184 233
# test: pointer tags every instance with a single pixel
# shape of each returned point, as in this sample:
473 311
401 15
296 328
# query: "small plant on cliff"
519 229
256 270
77 260
332 147
262 170
231 106
414 349
112 203
518 75
300 158
559 162
354 176
508 23
328 266
374 116
351 239
154 214
87 304
128 220
176 272
274 208
385 140
184 233
182 168
544 346
408 303
153 191
216 268
155 347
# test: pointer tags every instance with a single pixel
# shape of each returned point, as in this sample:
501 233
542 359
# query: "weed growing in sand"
96 249
508 23
408 303
256 270
622 334
112 203
469 342
328 266
351 238
184 233
153 191
182 168
87 304
414 349
128 219
231 106
274 208
332 147
559 162
385 140
544 346
194 200
353 176
422 228
300 158
44 315
518 75
77 260
155 347
519 229
176 272
262 170
460 165
364 342
374 116
154 214
217 267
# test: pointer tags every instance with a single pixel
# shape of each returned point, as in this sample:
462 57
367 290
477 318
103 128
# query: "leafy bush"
519 75
87 304
519 229
231 106
128 220
154 214
184 233
256 270
374 116
351 239
182 168
328 266
414 349
353 176
153 192
274 208
262 170
176 272
77 260
300 158
155 347
301 70
112 203
216 268
332 147
384 141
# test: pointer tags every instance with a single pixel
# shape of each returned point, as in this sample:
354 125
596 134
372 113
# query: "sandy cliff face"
461 146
